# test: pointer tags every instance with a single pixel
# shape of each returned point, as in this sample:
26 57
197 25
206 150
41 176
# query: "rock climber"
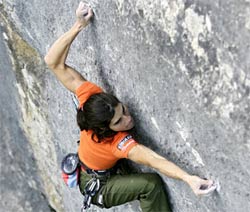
105 122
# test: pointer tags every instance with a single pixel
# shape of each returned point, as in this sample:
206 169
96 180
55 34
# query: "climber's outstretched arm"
143 155
57 54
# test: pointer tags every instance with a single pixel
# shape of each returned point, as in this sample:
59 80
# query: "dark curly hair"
96 115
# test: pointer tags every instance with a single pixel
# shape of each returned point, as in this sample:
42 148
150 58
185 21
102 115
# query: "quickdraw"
90 190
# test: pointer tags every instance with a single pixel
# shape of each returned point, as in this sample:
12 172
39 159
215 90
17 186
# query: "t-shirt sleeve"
122 144
85 90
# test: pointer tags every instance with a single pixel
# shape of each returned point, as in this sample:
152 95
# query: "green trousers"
118 189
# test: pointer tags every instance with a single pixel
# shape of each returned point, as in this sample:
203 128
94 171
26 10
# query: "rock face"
183 68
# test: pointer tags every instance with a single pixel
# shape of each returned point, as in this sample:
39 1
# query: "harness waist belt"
104 172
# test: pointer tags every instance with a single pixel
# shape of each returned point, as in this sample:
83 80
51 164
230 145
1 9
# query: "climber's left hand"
201 186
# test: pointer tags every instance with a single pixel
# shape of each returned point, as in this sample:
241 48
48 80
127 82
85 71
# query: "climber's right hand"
84 14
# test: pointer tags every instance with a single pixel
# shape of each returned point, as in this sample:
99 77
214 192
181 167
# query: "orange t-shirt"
102 155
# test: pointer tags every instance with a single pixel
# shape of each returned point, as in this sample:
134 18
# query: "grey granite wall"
182 66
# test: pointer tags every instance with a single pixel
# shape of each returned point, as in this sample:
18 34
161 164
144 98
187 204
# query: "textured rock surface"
20 183
182 66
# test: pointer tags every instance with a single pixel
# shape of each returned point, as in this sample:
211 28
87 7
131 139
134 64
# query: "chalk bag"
70 169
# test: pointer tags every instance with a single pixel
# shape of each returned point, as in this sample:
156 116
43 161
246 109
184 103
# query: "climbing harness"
71 166
94 184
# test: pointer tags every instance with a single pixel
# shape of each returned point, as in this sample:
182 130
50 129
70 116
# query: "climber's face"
122 120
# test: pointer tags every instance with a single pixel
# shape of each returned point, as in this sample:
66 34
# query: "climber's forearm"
170 169
58 52
146 156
